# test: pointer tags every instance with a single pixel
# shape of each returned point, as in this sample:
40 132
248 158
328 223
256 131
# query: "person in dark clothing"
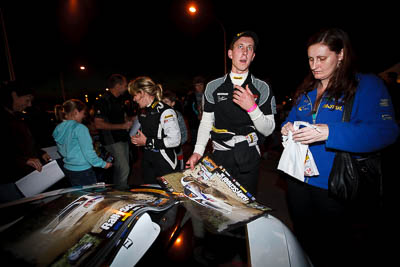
160 133
193 108
21 154
110 120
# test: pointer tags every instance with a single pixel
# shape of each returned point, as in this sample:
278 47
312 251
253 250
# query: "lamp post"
193 10
7 48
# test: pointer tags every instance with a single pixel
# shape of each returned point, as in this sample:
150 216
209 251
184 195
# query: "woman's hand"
308 135
139 139
35 163
286 128
46 157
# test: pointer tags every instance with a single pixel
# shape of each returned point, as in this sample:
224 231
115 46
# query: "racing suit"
159 124
235 133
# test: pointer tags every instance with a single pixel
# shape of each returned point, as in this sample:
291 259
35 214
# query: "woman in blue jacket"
319 100
75 144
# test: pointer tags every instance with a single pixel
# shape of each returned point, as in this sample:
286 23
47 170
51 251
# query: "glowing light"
82 67
173 232
192 9
178 241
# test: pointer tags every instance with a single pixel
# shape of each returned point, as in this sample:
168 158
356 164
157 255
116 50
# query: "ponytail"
145 84
70 105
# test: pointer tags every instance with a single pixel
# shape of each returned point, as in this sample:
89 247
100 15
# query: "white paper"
36 182
52 151
135 127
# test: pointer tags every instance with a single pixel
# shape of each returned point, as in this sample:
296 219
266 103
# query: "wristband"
252 108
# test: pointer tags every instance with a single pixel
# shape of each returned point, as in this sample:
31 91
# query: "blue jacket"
372 124
74 143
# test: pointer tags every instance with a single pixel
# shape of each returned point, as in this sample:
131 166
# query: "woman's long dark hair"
343 82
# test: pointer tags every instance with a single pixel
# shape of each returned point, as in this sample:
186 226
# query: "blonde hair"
145 84
70 105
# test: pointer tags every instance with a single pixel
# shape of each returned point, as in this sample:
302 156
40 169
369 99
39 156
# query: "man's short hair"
115 79
199 79
251 34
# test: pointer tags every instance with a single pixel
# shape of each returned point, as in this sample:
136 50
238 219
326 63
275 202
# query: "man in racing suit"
238 112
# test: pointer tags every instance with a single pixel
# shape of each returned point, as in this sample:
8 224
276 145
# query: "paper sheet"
36 182
52 151
135 127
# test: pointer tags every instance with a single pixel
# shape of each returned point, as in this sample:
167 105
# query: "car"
99 225
74 256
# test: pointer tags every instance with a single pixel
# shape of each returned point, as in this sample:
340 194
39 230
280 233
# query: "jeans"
120 152
86 177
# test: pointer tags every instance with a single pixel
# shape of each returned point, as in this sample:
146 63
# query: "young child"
169 98
75 144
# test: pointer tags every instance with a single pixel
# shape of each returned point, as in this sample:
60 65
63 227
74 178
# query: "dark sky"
160 39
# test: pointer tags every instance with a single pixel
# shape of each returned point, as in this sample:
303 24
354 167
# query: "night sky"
160 39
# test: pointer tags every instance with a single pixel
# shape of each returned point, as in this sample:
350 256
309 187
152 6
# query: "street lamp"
192 11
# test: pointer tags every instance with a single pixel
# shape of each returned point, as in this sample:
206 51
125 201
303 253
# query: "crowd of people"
231 118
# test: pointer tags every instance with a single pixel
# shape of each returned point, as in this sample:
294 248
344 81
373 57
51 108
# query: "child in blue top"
75 144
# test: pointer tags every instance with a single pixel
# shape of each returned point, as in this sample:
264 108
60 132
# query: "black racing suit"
159 124
235 139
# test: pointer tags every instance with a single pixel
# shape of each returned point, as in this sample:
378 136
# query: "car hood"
77 228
